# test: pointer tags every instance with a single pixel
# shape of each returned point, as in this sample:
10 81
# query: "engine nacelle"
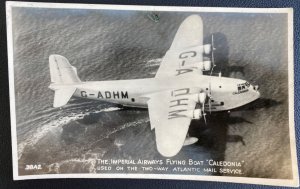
207 49
202 97
204 66
199 97
207 65
194 114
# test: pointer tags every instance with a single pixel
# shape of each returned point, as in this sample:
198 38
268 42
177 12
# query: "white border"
278 182
12 90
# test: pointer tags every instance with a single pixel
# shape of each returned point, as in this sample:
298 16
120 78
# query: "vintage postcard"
107 91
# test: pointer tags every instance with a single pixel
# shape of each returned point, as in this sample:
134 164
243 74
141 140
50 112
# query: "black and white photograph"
119 91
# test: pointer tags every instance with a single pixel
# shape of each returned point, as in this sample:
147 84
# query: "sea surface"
114 45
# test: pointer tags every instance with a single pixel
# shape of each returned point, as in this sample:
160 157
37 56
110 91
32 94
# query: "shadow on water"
262 103
236 119
258 104
221 55
212 136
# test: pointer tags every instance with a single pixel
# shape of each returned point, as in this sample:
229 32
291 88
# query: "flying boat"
179 92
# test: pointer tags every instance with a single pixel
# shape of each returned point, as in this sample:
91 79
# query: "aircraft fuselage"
227 93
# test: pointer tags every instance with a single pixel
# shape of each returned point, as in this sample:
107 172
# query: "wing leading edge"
186 48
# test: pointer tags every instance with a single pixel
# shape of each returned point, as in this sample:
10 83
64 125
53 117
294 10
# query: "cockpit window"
243 87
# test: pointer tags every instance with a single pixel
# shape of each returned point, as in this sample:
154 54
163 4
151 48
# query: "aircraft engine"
194 114
207 65
202 97
207 49
204 66
199 97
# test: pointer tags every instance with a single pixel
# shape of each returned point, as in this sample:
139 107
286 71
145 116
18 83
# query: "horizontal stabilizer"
62 96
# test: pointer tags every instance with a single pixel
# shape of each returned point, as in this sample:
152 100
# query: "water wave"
88 160
56 124
153 62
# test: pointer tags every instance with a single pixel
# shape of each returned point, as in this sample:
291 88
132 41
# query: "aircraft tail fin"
63 75
61 71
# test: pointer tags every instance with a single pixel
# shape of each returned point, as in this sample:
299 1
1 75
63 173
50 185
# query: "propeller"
212 54
202 100
209 98
213 65
204 114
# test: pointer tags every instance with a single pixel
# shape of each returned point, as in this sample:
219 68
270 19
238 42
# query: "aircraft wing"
168 112
186 48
